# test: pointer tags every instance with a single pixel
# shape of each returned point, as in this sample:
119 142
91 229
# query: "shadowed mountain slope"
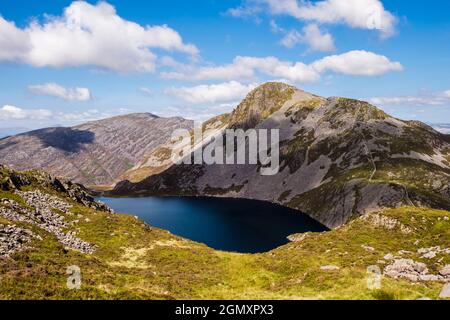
95 153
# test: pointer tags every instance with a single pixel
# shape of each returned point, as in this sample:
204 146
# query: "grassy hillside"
135 261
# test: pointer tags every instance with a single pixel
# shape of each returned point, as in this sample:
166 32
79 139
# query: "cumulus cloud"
215 93
244 11
14 43
362 14
9 112
355 63
312 36
55 90
21 115
291 39
425 99
316 39
197 113
275 28
89 35
247 68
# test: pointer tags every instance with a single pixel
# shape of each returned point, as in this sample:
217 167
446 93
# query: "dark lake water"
237 225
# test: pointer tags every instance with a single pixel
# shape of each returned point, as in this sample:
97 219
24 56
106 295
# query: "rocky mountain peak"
262 102
339 158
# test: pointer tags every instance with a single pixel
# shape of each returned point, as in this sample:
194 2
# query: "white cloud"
357 63
312 36
244 11
55 90
9 112
197 113
426 99
215 93
14 43
316 39
275 28
291 39
361 63
89 35
47 117
246 68
362 14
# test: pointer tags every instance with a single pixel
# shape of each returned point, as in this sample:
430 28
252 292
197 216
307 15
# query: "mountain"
340 158
54 237
95 153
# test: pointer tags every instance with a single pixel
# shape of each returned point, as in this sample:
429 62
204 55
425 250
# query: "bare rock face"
95 153
339 159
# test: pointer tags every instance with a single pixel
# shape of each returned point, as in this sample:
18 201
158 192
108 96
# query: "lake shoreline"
226 224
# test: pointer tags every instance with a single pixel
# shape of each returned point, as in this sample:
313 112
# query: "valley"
132 260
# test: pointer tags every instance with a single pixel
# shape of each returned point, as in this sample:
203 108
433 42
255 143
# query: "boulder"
445 272
445 293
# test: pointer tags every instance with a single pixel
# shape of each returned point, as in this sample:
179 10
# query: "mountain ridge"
340 158
93 153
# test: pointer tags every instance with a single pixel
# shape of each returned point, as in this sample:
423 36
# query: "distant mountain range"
340 158
442 127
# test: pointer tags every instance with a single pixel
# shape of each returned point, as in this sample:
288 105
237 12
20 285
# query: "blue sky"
65 62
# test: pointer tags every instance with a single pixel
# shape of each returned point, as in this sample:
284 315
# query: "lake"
237 225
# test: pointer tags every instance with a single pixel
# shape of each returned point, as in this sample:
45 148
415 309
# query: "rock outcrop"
11 180
14 239
412 271
42 209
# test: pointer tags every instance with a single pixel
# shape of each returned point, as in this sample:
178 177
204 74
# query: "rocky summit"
95 153
340 158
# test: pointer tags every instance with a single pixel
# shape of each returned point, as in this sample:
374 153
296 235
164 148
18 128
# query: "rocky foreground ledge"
11 180
48 225
49 213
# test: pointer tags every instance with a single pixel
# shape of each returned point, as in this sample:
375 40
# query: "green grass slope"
136 261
